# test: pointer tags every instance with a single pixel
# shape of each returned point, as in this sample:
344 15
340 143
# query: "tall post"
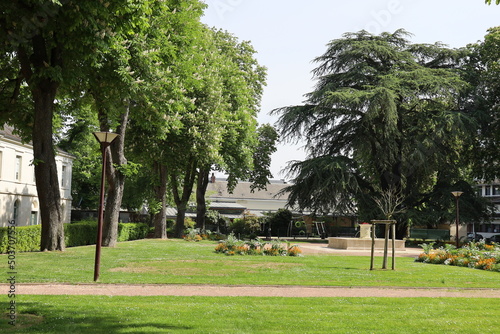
457 194
393 228
105 139
100 216
386 245
372 254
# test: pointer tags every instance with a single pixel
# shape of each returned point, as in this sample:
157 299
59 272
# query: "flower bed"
233 246
473 255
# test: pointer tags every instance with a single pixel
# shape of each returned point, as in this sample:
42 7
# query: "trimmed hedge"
75 234
27 238
80 233
132 231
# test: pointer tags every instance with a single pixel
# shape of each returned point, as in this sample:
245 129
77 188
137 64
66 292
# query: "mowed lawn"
111 315
181 262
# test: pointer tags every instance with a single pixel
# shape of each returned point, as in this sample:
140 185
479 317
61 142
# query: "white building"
18 194
490 191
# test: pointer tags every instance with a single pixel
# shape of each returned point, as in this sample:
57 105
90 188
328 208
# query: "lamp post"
457 194
105 139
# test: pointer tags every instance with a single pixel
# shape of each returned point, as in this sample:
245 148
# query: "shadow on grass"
61 319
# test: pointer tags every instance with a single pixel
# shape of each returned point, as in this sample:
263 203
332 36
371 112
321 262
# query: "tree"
49 41
244 151
385 115
482 72
489 2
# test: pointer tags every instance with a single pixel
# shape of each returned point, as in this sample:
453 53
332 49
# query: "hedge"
27 238
75 234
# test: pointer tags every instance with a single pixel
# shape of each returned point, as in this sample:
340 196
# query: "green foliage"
132 231
483 71
279 221
391 119
248 226
76 234
80 233
27 238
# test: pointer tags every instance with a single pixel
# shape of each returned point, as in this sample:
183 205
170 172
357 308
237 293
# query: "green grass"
181 262
98 314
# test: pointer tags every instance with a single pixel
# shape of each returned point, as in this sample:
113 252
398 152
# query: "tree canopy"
385 116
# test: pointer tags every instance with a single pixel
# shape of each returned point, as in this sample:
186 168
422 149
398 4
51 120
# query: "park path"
241 291
256 291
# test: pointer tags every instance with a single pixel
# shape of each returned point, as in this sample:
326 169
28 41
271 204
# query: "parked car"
495 238
474 237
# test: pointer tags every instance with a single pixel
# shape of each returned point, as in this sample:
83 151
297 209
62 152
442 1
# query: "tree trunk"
47 182
160 189
201 190
43 90
181 200
116 183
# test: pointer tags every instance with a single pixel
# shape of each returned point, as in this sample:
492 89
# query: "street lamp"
105 139
457 194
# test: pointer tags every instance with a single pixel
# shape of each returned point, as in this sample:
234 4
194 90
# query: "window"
1 153
34 218
18 168
16 210
496 190
63 176
487 191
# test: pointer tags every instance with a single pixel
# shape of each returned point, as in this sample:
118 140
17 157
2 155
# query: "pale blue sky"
289 34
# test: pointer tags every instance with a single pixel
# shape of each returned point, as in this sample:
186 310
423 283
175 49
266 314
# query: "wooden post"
389 225
393 227
386 245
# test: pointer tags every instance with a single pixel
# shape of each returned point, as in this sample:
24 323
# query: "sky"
289 34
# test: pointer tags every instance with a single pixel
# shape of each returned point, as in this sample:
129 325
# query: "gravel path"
259 291
255 291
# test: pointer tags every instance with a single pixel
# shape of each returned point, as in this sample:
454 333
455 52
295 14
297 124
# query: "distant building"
257 202
18 194
490 191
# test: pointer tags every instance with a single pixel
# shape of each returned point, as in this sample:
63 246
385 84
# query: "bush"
27 238
75 234
80 233
280 221
246 227
132 231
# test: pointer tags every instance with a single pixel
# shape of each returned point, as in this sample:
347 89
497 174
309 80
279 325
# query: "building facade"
256 203
490 191
18 193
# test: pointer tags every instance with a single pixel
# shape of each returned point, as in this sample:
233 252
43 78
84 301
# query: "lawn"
98 314
180 262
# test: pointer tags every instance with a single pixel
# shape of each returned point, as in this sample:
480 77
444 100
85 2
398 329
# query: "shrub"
248 226
80 233
27 238
132 231
75 234
193 234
